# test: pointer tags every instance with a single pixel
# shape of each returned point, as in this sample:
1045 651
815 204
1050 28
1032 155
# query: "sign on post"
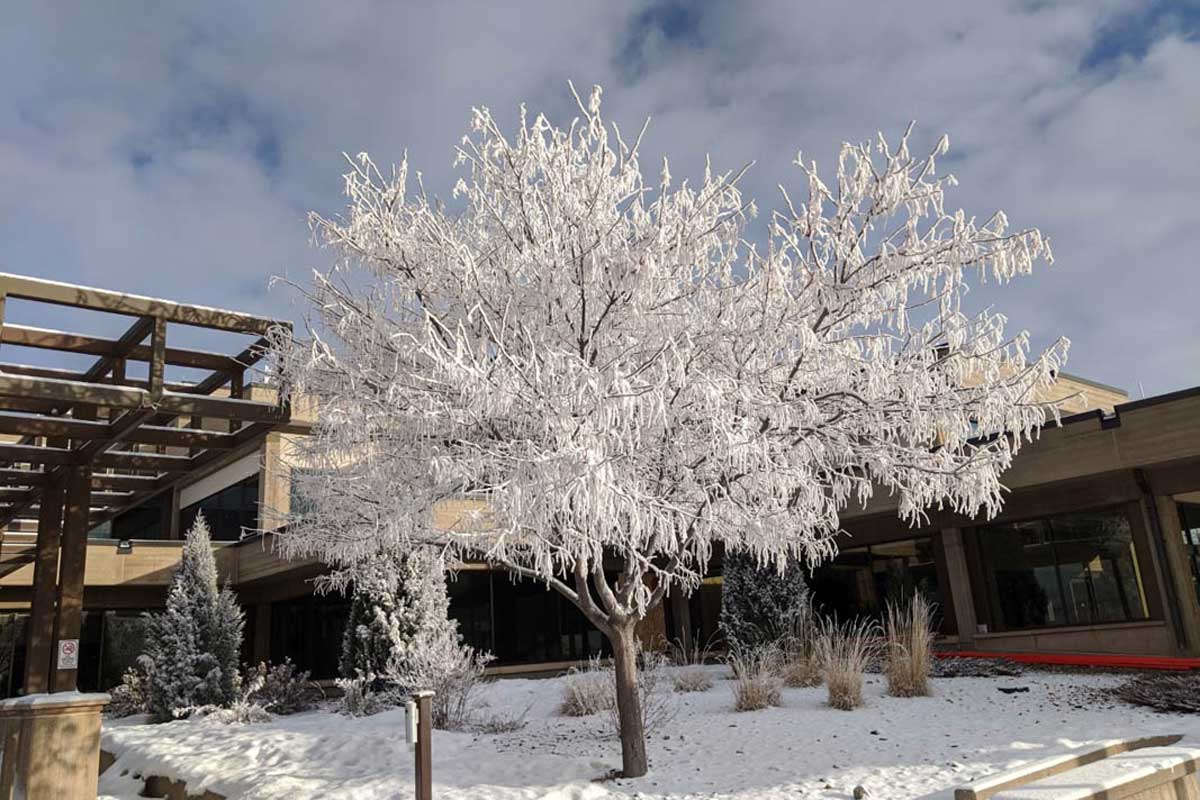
68 654
410 724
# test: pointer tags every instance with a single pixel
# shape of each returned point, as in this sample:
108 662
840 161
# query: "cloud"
176 151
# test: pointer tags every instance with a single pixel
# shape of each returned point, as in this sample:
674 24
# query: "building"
1097 551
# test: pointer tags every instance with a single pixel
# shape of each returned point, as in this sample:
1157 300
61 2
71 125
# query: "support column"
681 617
38 662
960 586
70 582
1178 571
262 632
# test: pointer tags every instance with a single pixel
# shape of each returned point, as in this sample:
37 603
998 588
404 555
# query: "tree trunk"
629 701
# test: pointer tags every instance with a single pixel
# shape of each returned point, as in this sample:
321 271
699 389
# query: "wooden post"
70 581
424 751
38 660
960 586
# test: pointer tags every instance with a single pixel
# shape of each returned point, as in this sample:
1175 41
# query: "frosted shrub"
844 651
456 688
908 643
760 603
131 696
588 690
361 699
692 680
757 677
281 688
192 647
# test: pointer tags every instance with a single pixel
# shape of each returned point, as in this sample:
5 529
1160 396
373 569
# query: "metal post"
424 750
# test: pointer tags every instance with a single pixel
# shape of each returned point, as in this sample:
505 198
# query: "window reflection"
1070 569
861 581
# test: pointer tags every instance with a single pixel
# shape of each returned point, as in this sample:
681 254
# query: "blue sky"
174 149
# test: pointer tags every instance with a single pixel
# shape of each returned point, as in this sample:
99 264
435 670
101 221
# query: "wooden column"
681 618
262 632
424 751
1179 572
960 585
70 582
38 662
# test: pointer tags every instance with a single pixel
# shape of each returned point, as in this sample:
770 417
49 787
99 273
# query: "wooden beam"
69 427
32 454
134 305
22 477
100 394
62 341
154 462
132 483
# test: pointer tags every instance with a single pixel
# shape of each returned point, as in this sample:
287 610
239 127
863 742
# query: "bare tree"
605 377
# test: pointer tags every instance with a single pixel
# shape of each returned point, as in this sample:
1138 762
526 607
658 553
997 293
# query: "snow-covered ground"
895 748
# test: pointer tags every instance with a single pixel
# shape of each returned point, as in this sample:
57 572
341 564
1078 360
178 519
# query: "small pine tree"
193 647
758 604
399 633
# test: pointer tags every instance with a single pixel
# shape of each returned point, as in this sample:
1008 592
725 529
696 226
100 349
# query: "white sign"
68 654
410 724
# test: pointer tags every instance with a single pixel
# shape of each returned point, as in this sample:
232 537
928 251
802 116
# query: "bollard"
422 704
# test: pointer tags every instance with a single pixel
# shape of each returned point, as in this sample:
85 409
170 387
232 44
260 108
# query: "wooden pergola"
79 448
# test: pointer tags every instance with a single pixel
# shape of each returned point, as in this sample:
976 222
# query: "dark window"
1070 569
228 512
861 581
141 522
308 630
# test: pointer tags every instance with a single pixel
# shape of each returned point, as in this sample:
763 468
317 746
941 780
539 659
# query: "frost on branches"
399 634
193 647
761 604
581 362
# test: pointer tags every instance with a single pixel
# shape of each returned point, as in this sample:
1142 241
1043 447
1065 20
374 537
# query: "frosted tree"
193 647
399 633
588 376
760 603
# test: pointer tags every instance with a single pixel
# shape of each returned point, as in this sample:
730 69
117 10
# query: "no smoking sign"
68 654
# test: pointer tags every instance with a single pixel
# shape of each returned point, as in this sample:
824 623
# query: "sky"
175 149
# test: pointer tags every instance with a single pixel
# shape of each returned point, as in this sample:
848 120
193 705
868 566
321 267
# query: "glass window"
861 581
142 522
228 512
1070 569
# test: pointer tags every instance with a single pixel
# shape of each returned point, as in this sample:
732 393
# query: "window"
227 512
1071 569
143 522
860 581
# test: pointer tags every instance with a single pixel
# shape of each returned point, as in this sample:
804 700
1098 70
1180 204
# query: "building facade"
1097 550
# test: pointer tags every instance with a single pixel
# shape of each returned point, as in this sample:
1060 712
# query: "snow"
896 748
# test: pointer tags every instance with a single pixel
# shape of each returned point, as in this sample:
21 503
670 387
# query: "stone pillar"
51 746
960 586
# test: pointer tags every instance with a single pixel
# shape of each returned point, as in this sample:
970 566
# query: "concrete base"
51 746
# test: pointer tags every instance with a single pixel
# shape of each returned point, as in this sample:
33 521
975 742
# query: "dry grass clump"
908 646
844 651
757 678
692 680
800 665
1163 692
691 676
588 690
